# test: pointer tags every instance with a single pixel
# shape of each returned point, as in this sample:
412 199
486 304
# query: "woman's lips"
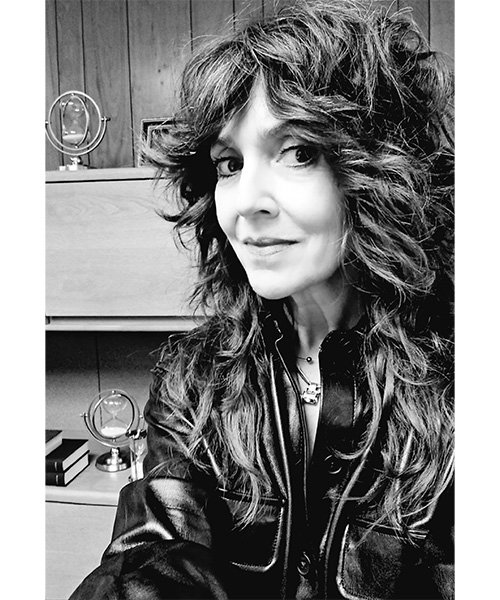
266 246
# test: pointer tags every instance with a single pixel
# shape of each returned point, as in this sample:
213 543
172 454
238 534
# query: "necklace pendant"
311 394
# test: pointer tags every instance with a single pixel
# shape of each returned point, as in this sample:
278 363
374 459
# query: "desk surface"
91 486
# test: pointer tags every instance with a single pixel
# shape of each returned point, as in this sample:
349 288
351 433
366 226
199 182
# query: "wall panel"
52 157
420 13
273 6
81 364
70 45
126 360
71 378
442 22
70 49
210 19
159 34
105 53
246 10
129 54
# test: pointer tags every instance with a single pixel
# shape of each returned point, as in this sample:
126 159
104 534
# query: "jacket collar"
278 332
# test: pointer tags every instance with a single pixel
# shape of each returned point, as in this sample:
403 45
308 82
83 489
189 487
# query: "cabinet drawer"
109 254
76 537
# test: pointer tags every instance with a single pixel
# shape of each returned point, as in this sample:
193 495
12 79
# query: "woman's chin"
269 292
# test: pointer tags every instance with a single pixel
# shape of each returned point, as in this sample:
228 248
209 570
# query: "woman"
300 439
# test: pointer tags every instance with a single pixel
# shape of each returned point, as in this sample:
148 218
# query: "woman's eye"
227 166
299 155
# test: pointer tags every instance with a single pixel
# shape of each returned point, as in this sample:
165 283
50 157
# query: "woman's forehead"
255 110
255 120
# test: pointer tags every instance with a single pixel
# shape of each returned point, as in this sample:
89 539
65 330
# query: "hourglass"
75 121
113 416
77 115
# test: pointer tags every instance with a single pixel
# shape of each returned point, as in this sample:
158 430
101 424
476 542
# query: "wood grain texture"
106 53
273 6
76 537
100 174
247 10
442 22
92 53
70 45
110 254
142 324
160 42
53 158
419 13
210 19
70 50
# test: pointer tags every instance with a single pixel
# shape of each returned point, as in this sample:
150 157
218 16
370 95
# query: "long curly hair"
371 95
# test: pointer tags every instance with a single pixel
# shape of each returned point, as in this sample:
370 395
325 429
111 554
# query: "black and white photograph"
249 300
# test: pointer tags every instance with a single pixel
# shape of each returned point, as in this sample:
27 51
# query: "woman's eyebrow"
282 129
222 143
279 130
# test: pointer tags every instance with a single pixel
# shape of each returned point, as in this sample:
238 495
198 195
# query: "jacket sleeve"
163 536
440 545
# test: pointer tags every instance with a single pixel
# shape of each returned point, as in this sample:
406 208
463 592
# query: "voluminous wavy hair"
367 90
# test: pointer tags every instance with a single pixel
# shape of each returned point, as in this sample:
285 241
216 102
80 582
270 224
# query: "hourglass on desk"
71 119
113 418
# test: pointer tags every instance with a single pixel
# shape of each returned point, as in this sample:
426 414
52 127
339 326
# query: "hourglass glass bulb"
113 405
75 120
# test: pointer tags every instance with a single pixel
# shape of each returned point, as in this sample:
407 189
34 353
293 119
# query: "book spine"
51 446
54 466
59 465
62 479
54 479
53 442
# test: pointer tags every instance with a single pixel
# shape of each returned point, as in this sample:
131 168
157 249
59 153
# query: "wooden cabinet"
111 259
79 523
111 264
77 535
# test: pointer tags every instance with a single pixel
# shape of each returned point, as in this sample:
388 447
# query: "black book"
65 455
53 439
65 477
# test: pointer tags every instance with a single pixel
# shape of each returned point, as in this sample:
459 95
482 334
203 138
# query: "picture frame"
151 130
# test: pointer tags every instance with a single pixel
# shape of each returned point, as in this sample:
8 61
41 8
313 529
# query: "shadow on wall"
79 364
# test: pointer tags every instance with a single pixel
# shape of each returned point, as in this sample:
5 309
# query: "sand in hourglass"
73 138
113 431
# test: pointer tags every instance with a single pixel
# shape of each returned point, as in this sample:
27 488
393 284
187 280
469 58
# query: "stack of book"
64 458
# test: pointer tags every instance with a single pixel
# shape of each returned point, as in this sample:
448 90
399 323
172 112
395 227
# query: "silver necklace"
312 393
308 359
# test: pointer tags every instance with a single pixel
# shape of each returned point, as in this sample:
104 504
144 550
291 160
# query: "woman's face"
278 203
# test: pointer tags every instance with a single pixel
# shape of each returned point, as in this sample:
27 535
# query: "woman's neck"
317 311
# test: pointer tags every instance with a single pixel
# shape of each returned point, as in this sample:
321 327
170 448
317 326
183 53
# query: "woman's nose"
256 193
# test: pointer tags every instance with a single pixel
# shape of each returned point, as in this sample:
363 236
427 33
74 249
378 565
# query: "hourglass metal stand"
113 416
115 460
75 111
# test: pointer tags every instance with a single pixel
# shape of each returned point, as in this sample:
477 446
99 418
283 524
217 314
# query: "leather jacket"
174 537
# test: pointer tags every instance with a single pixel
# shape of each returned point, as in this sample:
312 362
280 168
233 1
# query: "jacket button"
304 564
